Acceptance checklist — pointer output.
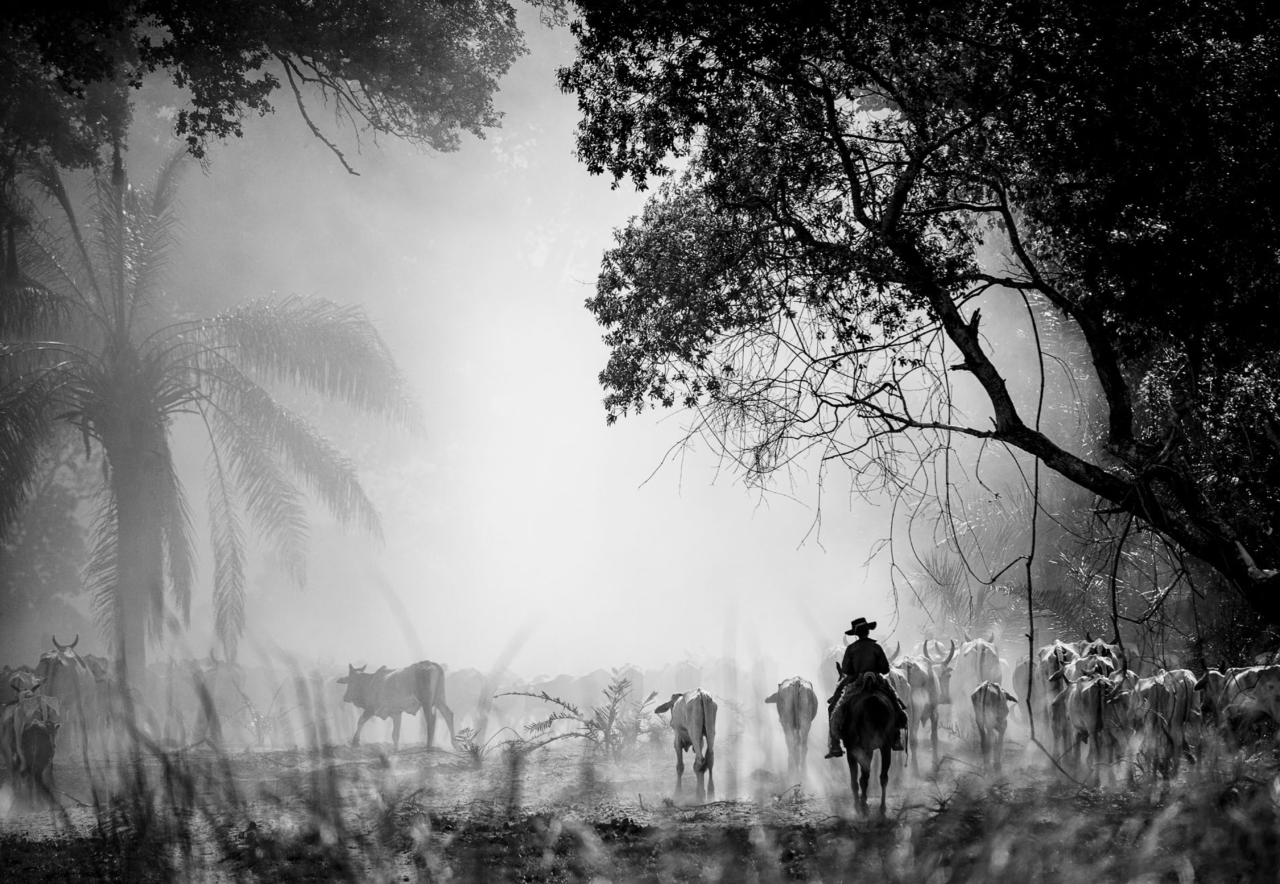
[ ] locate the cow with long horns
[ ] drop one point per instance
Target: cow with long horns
(67, 678)
(929, 680)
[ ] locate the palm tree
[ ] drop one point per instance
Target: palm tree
(89, 341)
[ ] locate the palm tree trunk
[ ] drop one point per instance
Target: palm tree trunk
(136, 474)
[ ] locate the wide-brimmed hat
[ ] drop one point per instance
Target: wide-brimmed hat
(860, 623)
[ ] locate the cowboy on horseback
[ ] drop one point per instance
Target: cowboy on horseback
(863, 655)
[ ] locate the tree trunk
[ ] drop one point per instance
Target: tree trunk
(137, 474)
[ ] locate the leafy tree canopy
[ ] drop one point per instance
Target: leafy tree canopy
(419, 71)
(847, 186)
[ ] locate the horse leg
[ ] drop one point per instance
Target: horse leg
(864, 765)
(886, 759)
(853, 779)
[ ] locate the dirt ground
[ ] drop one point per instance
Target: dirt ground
(557, 814)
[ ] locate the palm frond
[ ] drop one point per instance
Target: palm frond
(271, 500)
(28, 308)
(25, 428)
(328, 475)
(48, 177)
(151, 232)
(177, 536)
(228, 557)
(320, 346)
(102, 570)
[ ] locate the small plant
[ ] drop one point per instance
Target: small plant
(613, 728)
(263, 723)
(473, 750)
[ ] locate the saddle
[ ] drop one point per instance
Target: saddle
(866, 683)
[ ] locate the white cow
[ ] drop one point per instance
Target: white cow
(797, 706)
(693, 720)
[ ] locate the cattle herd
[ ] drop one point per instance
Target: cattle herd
(1081, 697)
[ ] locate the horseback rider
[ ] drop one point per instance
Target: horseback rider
(862, 655)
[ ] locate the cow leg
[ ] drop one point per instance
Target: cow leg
(999, 747)
(708, 763)
(982, 745)
(395, 732)
(679, 765)
(430, 713)
(933, 736)
(365, 715)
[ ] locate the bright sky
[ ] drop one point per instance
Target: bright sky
(520, 508)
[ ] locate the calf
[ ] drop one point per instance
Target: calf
(991, 716)
(693, 720)
(797, 706)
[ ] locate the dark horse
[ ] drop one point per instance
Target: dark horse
(869, 724)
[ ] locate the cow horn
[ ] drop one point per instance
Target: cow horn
(1087, 637)
(925, 648)
(991, 639)
(896, 650)
(62, 647)
(950, 655)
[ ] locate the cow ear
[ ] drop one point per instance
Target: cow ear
(772, 698)
(1010, 697)
(663, 708)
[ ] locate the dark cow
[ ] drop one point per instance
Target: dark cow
(67, 678)
(28, 735)
(868, 725)
(991, 716)
(693, 721)
(388, 693)
(797, 706)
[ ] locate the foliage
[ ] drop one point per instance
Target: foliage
(613, 728)
(859, 184)
(89, 341)
(41, 558)
(418, 71)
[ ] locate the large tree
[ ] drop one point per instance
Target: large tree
(90, 340)
(420, 71)
(857, 184)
